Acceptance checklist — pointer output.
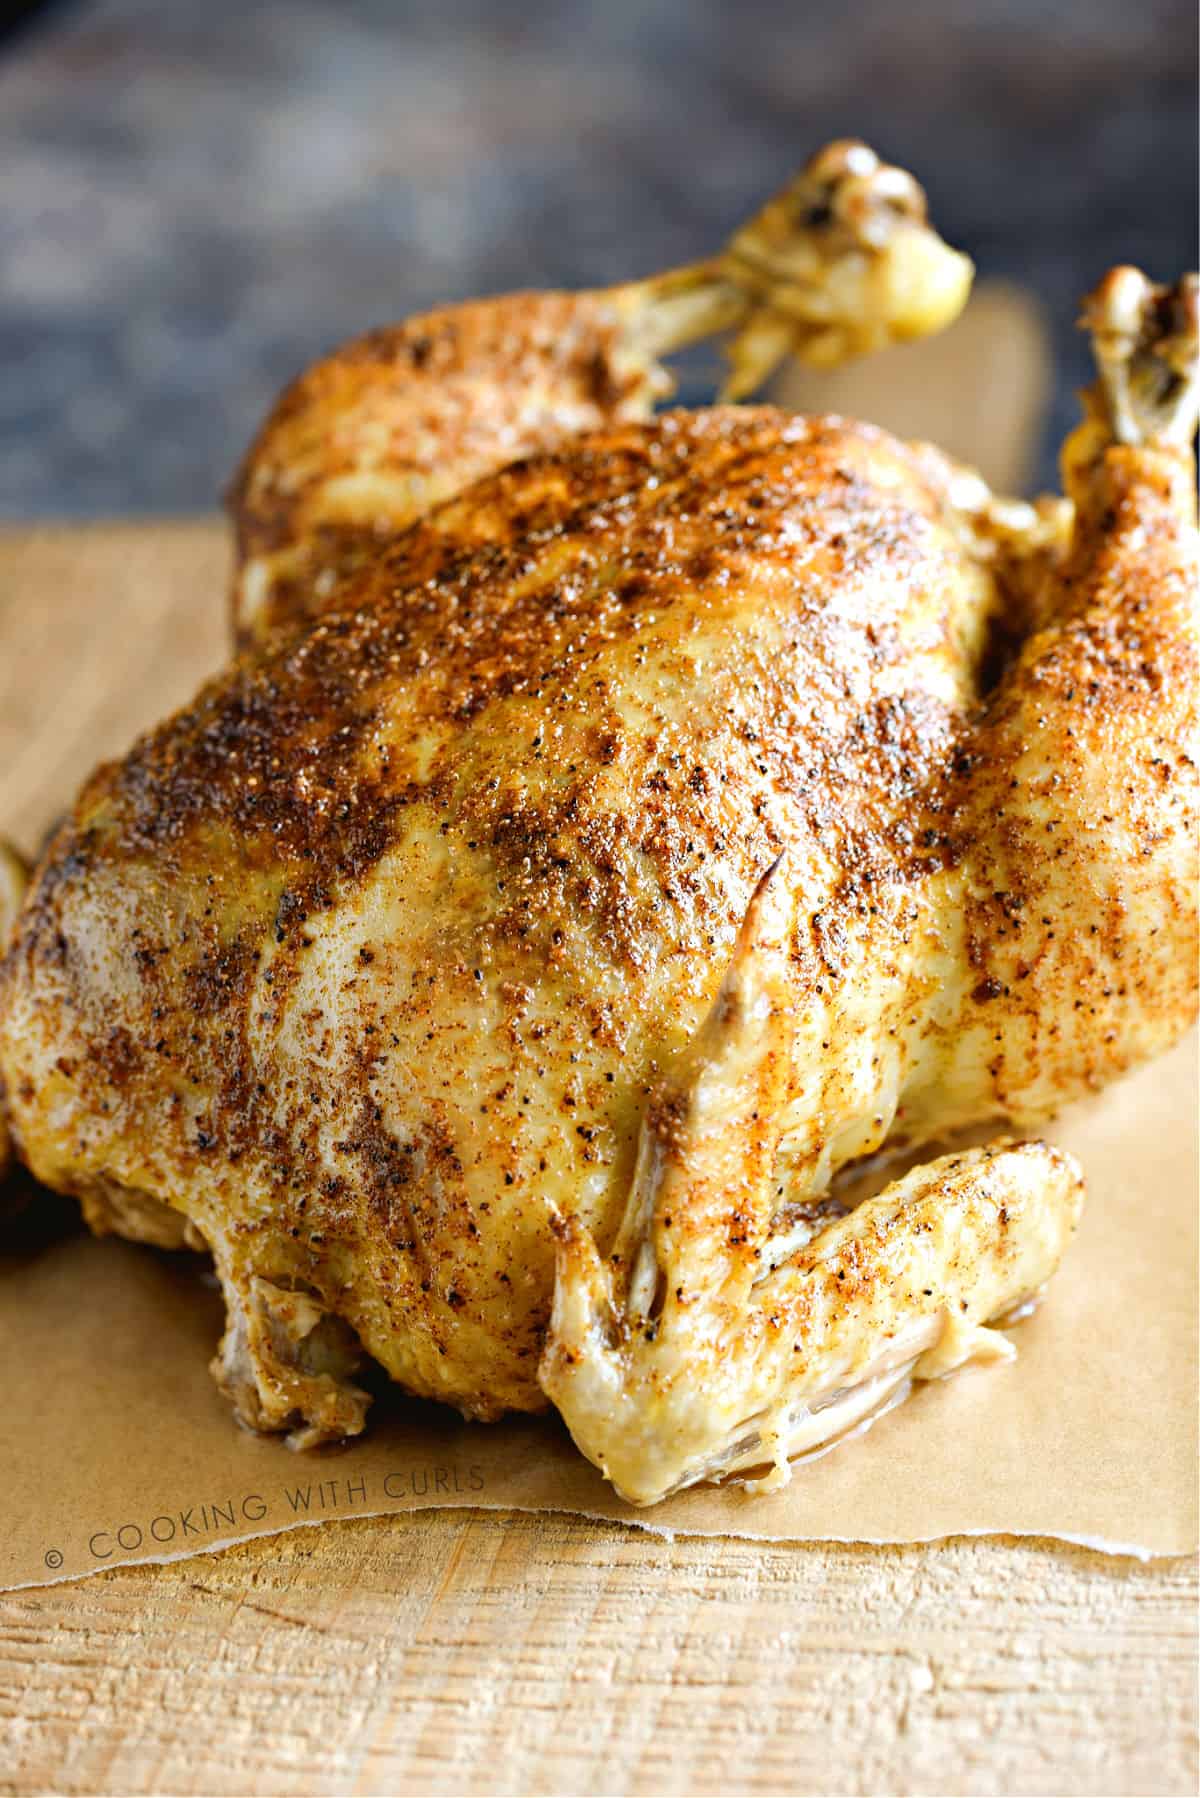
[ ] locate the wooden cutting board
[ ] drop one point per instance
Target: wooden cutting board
(464, 1652)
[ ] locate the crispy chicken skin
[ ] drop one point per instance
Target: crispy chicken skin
(362, 444)
(14, 876)
(496, 964)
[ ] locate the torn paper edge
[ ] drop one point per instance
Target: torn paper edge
(1061, 1538)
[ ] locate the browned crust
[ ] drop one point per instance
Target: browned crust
(605, 687)
(428, 406)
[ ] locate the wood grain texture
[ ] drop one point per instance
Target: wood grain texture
(474, 1653)
(487, 1653)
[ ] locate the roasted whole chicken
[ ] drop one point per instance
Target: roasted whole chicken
(614, 825)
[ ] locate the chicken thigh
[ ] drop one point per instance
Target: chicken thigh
(611, 828)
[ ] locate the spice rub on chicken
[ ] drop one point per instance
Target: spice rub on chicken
(611, 827)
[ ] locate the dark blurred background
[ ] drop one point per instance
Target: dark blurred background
(198, 196)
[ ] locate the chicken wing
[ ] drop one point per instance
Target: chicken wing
(612, 828)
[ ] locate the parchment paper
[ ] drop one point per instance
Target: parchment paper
(114, 1445)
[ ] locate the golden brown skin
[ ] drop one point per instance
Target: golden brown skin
(490, 829)
(369, 440)
(1020, 934)
(14, 876)
(384, 967)
(842, 261)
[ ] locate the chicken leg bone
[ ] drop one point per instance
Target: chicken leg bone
(840, 263)
(1145, 340)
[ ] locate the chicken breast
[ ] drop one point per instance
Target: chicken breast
(496, 964)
